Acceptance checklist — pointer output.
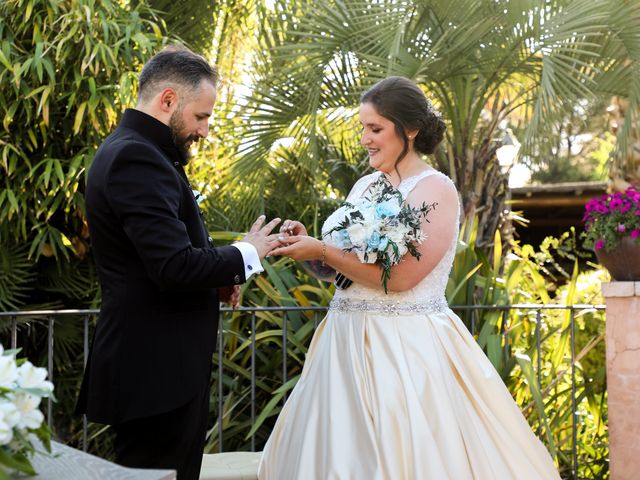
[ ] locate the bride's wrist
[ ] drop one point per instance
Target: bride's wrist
(323, 251)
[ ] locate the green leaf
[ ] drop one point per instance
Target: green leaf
(5, 61)
(46, 176)
(527, 369)
(58, 168)
(12, 200)
(79, 117)
(269, 409)
(16, 462)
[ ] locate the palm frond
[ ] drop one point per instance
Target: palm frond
(17, 274)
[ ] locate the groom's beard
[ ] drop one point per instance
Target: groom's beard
(176, 125)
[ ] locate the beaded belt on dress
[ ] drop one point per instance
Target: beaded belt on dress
(435, 305)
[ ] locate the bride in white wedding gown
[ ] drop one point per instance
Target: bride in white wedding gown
(394, 386)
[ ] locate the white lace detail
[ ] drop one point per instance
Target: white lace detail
(429, 291)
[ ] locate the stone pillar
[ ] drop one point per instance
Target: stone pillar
(623, 377)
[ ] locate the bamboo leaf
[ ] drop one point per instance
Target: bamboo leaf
(5, 61)
(525, 365)
(79, 117)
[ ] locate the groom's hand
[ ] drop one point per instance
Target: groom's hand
(230, 294)
(259, 236)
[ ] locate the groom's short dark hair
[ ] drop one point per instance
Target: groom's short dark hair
(174, 66)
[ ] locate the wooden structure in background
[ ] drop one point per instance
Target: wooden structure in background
(552, 208)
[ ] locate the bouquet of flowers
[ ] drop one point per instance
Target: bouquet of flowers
(22, 386)
(381, 227)
(609, 218)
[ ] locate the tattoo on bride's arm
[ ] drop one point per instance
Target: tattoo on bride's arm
(319, 271)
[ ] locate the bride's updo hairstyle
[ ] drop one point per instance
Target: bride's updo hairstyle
(401, 101)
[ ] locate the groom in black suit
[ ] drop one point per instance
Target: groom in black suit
(149, 368)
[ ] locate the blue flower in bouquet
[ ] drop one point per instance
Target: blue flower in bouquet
(374, 241)
(389, 208)
(341, 237)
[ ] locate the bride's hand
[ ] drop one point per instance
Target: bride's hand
(293, 227)
(299, 247)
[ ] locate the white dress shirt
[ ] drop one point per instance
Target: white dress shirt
(250, 258)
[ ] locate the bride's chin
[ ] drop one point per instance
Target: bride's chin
(374, 163)
(379, 165)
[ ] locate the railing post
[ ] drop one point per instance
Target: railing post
(50, 368)
(574, 406)
(253, 379)
(85, 360)
(14, 332)
(505, 326)
(220, 373)
(284, 354)
(538, 361)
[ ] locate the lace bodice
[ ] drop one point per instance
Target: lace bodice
(428, 292)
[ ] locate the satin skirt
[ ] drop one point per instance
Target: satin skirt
(401, 397)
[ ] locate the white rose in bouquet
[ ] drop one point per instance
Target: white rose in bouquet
(357, 234)
(398, 234)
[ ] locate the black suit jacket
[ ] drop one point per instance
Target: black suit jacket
(157, 329)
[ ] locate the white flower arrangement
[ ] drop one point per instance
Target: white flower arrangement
(22, 387)
(381, 227)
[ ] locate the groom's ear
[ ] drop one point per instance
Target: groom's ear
(168, 100)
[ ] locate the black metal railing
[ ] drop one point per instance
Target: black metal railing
(23, 321)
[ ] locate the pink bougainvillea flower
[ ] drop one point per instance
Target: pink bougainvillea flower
(635, 233)
(621, 227)
(599, 244)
